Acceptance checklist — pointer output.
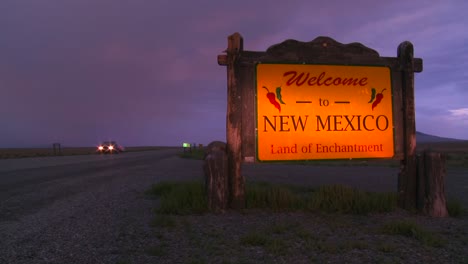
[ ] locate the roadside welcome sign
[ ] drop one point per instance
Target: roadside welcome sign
(321, 99)
(312, 111)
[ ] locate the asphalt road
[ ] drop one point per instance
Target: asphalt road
(91, 209)
(27, 185)
(77, 211)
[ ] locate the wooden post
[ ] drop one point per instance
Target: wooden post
(234, 122)
(407, 178)
(431, 184)
(216, 177)
(57, 149)
(421, 181)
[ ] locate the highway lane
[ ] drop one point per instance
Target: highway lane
(14, 172)
(48, 183)
(39, 162)
(80, 212)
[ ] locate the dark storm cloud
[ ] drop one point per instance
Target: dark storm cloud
(145, 72)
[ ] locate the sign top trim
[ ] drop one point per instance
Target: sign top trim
(321, 50)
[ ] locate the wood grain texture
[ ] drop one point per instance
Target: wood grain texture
(320, 47)
(215, 167)
(431, 198)
(407, 179)
(398, 115)
(247, 82)
(234, 123)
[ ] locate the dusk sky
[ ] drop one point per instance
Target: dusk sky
(145, 72)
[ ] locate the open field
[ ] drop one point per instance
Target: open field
(13, 153)
(456, 154)
(100, 212)
(452, 146)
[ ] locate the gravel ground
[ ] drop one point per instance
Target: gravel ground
(99, 224)
(110, 223)
(262, 237)
(298, 237)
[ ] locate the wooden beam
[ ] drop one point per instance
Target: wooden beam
(407, 178)
(222, 60)
(417, 65)
(234, 123)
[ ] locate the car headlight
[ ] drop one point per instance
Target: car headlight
(100, 148)
(111, 147)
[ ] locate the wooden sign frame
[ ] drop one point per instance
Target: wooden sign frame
(322, 50)
(241, 124)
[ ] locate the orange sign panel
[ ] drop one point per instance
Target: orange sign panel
(309, 112)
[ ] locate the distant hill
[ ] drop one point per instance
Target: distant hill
(426, 138)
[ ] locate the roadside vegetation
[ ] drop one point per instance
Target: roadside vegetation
(455, 207)
(289, 223)
(410, 229)
(190, 198)
(299, 224)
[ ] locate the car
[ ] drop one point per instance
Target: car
(110, 147)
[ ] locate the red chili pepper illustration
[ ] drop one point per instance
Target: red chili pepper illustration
(378, 98)
(272, 98)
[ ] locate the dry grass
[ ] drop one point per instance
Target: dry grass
(190, 197)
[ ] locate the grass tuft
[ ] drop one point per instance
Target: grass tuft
(410, 229)
(455, 208)
(343, 199)
(334, 198)
(254, 239)
(180, 197)
(269, 196)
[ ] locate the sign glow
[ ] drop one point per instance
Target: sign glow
(306, 112)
